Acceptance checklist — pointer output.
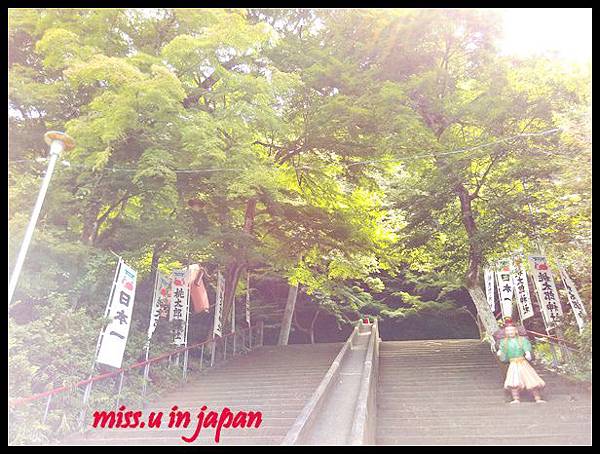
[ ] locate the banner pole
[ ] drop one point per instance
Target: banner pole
(187, 318)
(88, 387)
(248, 297)
(187, 321)
(499, 290)
(146, 370)
(147, 366)
(156, 281)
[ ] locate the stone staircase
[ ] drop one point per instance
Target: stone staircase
(276, 381)
(446, 392)
(435, 392)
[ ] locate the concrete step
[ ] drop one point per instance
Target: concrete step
(224, 394)
(205, 433)
(451, 392)
(250, 403)
(177, 441)
(503, 440)
(244, 393)
(164, 430)
(502, 409)
(392, 422)
(572, 429)
(276, 381)
(276, 408)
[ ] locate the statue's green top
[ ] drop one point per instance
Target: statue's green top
(514, 348)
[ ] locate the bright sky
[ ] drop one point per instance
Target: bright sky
(566, 31)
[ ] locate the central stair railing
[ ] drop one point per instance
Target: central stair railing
(362, 430)
(365, 414)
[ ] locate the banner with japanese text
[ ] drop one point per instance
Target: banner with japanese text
(217, 325)
(546, 290)
(488, 278)
(178, 314)
(114, 337)
(574, 298)
(521, 287)
(160, 302)
(505, 287)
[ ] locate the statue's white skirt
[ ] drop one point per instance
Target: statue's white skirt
(521, 375)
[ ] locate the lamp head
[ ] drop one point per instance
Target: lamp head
(67, 140)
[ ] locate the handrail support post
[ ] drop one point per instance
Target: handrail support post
(121, 377)
(47, 408)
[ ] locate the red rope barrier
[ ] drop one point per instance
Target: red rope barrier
(34, 397)
(570, 344)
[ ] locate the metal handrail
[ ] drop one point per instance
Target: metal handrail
(21, 401)
(305, 420)
(365, 412)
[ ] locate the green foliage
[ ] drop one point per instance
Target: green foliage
(579, 364)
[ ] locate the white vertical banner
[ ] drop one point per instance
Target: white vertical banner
(178, 314)
(159, 301)
(505, 287)
(574, 298)
(546, 290)
(113, 338)
(248, 298)
(217, 325)
(488, 277)
(522, 290)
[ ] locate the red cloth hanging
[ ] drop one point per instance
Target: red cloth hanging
(197, 290)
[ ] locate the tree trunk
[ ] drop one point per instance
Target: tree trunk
(236, 267)
(156, 253)
(480, 328)
(475, 260)
(312, 326)
(483, 309)
(288, 313)
(90, 223)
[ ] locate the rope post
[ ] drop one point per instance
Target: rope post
(214, 351)
(145, 384)
(47, 408)
(554, 357)
(564, 352)
(187, 321)
(262, 333)
(121, 377)
(146, 368)
(86, 396)
(185, 364)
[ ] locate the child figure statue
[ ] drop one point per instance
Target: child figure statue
(520, 375)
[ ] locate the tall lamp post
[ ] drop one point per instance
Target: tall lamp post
(58, 142)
